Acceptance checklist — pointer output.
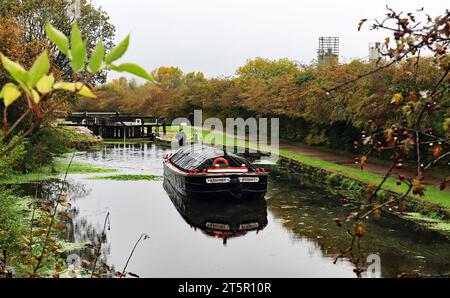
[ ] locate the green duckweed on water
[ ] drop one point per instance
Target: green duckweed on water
(125, 177)
(435, 224)
(71, 246)
(49, 172)
(82, 168)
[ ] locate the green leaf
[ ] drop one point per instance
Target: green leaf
(10, 93)
(79, 57)
(45, 84)
(86, 92)
(58, 38)
(133, 69)
(36, 97)
(96, 62)
(118, 51)
(446, 125)
(75, 87)
(40, 68)
(78, 49)
(65, 86)
(15, 70)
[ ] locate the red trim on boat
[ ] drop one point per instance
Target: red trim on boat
(205, 171)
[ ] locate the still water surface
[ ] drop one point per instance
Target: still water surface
(299, 240)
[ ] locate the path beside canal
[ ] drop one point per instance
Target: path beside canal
(346, 160)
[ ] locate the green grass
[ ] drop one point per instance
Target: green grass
(49, 172)
(27, 178)
(440, 173)
(173, 128)
(127, 177)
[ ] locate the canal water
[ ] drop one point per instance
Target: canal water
(297, 236)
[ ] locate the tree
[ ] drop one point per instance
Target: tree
(260, 68)
(14, 45)
(34, 14)
(36, 86)
(168, 77)
(192, 78)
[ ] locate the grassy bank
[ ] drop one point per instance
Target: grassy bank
(439, 173)
(432, 194)
(36, 158)
(24, 229)
(77, 138)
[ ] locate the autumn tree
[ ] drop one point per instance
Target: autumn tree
(32, 15)
(192, 78)
(168, 77)
(41, 91)
(13, 44)
(260, 68)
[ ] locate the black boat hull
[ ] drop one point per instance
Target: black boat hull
(195, 186)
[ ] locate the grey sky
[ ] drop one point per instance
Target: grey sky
(218, 36)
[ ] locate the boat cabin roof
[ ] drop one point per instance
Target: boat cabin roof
(199, 157)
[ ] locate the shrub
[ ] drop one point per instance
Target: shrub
(317, 138)
(11, 163)
(11, 221)
(333, 180)
(50, 142)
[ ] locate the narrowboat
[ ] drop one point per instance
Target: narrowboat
(220, 218)
(201, 171)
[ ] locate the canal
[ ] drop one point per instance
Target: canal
(297, 236)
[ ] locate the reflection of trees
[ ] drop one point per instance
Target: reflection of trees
(79, 229)
(145, 156)
(307, 214)
(83, 231)
(49, 189)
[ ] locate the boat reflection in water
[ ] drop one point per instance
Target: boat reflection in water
(220, 218)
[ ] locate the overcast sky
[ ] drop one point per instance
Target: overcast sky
(218, 36)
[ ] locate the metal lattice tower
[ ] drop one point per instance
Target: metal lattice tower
(328, 50)
(375, 51)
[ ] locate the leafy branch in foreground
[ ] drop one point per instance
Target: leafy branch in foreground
(410, 36)
(124, 272)
(61, 200)
(97, 250)
(409, 140)
(40, 251)
(37, 86)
